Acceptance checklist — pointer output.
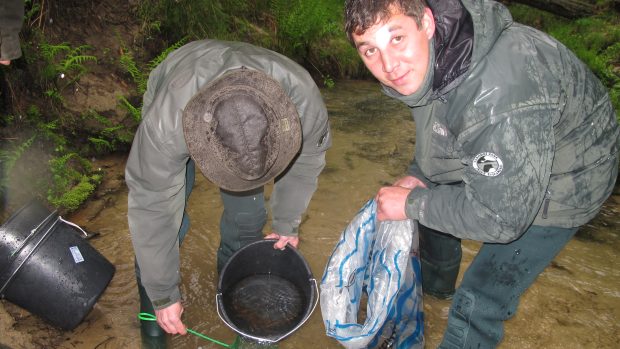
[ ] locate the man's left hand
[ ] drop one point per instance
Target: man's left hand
(391, 203)
(283, 240)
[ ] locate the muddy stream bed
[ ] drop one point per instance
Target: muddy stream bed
(575, 303)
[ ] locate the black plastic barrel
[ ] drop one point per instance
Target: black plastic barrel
(48, 268)
(265, 294)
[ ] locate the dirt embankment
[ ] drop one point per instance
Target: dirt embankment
(106, 27)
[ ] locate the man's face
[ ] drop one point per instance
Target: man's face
(397, 52)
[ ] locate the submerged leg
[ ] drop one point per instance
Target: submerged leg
(242, 222)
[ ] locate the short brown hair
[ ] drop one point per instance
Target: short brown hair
(362, 14)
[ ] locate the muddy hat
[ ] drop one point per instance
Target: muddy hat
(242, 130)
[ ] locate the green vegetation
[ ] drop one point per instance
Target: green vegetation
(140, 76)
(63, 66)
(310, 32)
(70, 185)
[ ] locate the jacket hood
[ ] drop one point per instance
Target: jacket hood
(465, 31)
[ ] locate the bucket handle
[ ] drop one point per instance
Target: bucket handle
(264, 340)
(74, 225)
(36, 229)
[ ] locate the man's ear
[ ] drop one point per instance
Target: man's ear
(428, 23)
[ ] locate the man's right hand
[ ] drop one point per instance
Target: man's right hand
(409, 182)
(169, 319)
(391, 200)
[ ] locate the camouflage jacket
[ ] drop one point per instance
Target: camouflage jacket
(517, 131)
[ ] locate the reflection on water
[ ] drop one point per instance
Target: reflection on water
(264, 305)
(575, 303)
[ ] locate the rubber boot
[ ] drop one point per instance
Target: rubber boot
(439, 281)
(242, 222)
(152, 336)
(441, 260)
(153, 342)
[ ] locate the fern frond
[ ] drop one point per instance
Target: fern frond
(136, 113)
(50, 51)
(76, 62)
(155, 61)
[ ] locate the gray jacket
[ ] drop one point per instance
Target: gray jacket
(155, 172)
(517, 131)
(11, 19)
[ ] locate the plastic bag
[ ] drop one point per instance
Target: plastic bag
(379, 261)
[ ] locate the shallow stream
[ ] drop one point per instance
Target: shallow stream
(575, 303)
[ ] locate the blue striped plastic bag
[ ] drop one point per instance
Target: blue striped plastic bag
(381, 262)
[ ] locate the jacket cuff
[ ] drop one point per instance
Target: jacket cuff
(284, 228)
(415, 207)
(161, 302)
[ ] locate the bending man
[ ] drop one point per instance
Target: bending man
(244, 115)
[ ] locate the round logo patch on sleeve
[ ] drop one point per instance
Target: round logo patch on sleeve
(488, 164)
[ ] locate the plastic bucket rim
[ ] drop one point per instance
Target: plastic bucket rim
(253, 244)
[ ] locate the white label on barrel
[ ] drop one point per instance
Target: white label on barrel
(77, 255)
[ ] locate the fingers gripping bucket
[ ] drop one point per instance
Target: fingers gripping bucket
(48, 268)
(265, 294)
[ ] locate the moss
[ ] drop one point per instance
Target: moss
(74, 197)
(73, 181)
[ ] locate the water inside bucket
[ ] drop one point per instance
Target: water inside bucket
(265, 305)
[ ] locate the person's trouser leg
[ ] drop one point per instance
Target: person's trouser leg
(151, 328)
(493, 284)
(242, 222)
(440, 256)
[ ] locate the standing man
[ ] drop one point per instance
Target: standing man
(11, 20)
(245, 116)
(516, 147)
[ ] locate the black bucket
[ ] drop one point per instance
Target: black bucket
(265, 294)
(48, 268)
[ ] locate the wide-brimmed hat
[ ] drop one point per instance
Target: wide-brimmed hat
(242, 129)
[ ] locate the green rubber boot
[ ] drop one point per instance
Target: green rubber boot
(148, 328)
(439, 281)
(153, 342)
(441, 260)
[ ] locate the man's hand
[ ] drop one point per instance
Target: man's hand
(283, 240)
(409, 182)
(391, 203)
(169, 319)
(5, 62)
